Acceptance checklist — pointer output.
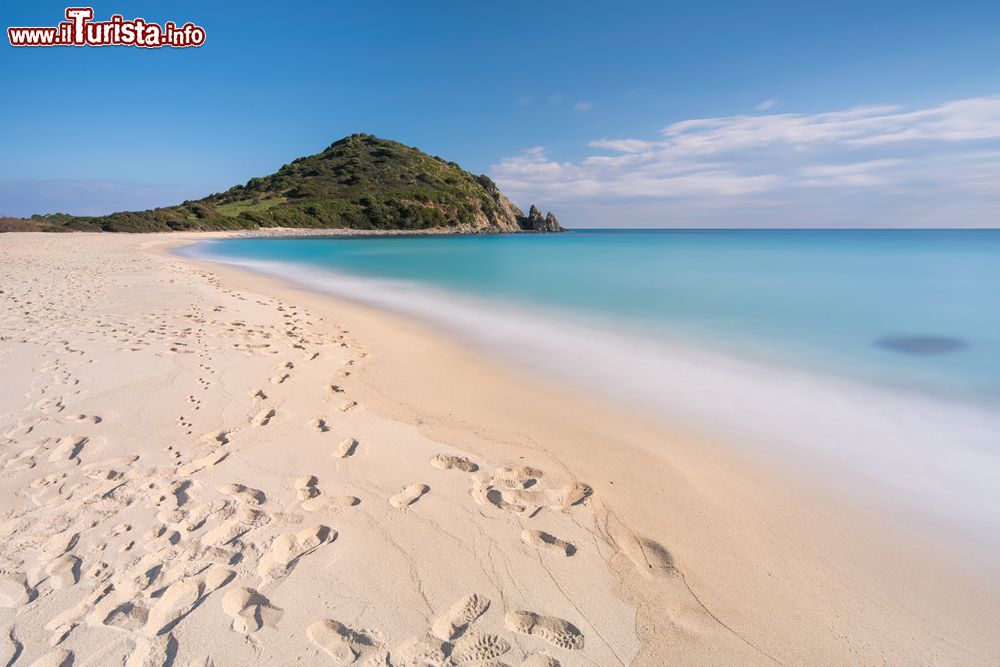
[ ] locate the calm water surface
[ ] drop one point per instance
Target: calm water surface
(869, 358)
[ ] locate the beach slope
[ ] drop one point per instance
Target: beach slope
(202, 466)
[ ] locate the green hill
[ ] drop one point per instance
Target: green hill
(359, 182)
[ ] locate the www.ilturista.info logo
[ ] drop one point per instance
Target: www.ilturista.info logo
(81, 30)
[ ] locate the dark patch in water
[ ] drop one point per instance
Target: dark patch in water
(922, 345)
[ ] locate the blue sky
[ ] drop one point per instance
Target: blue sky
(610, 114)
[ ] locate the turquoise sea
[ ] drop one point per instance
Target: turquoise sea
(870, 357)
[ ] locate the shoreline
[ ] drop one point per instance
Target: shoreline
(720, 558)
(828, 522)
(867, 447)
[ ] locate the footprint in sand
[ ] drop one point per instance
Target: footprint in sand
(341, 643)
(280, 378)
(570, 494)
(241, 522)
(336, 389)
(264, 417)
(63, 571)
(24, 460)
(320, 425)
(346, 448)
(220, 437)
(91, 419)
(421, 650)
(160, 538)
(649, 557)
(68, 448)
(287, 549)
(203, 462)
(249, 610)
(516, 476)
(409, 495)
(349, 405)
(533, 498)
(313, 501)
(447, 462)
(484, 495)
(543, 540)
(99, 571)
(51, 489)
(243, 493)
(50, 405)
(479, 649)
(320, 503)
(14, 590)
(456, 620)
(120, 529)
(259, 395)
(305, 487)
(182, 596)
(555, 631)
(199, 514)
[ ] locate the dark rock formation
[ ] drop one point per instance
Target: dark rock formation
(534, 222)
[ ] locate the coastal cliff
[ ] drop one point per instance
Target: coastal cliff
(359, 182)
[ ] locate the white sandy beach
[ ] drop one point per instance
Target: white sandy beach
(202, 466)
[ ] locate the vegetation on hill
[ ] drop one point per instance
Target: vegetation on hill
(359, 182)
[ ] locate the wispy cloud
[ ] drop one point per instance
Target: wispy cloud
(766, 104)
(583, 106)
(944, 151)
